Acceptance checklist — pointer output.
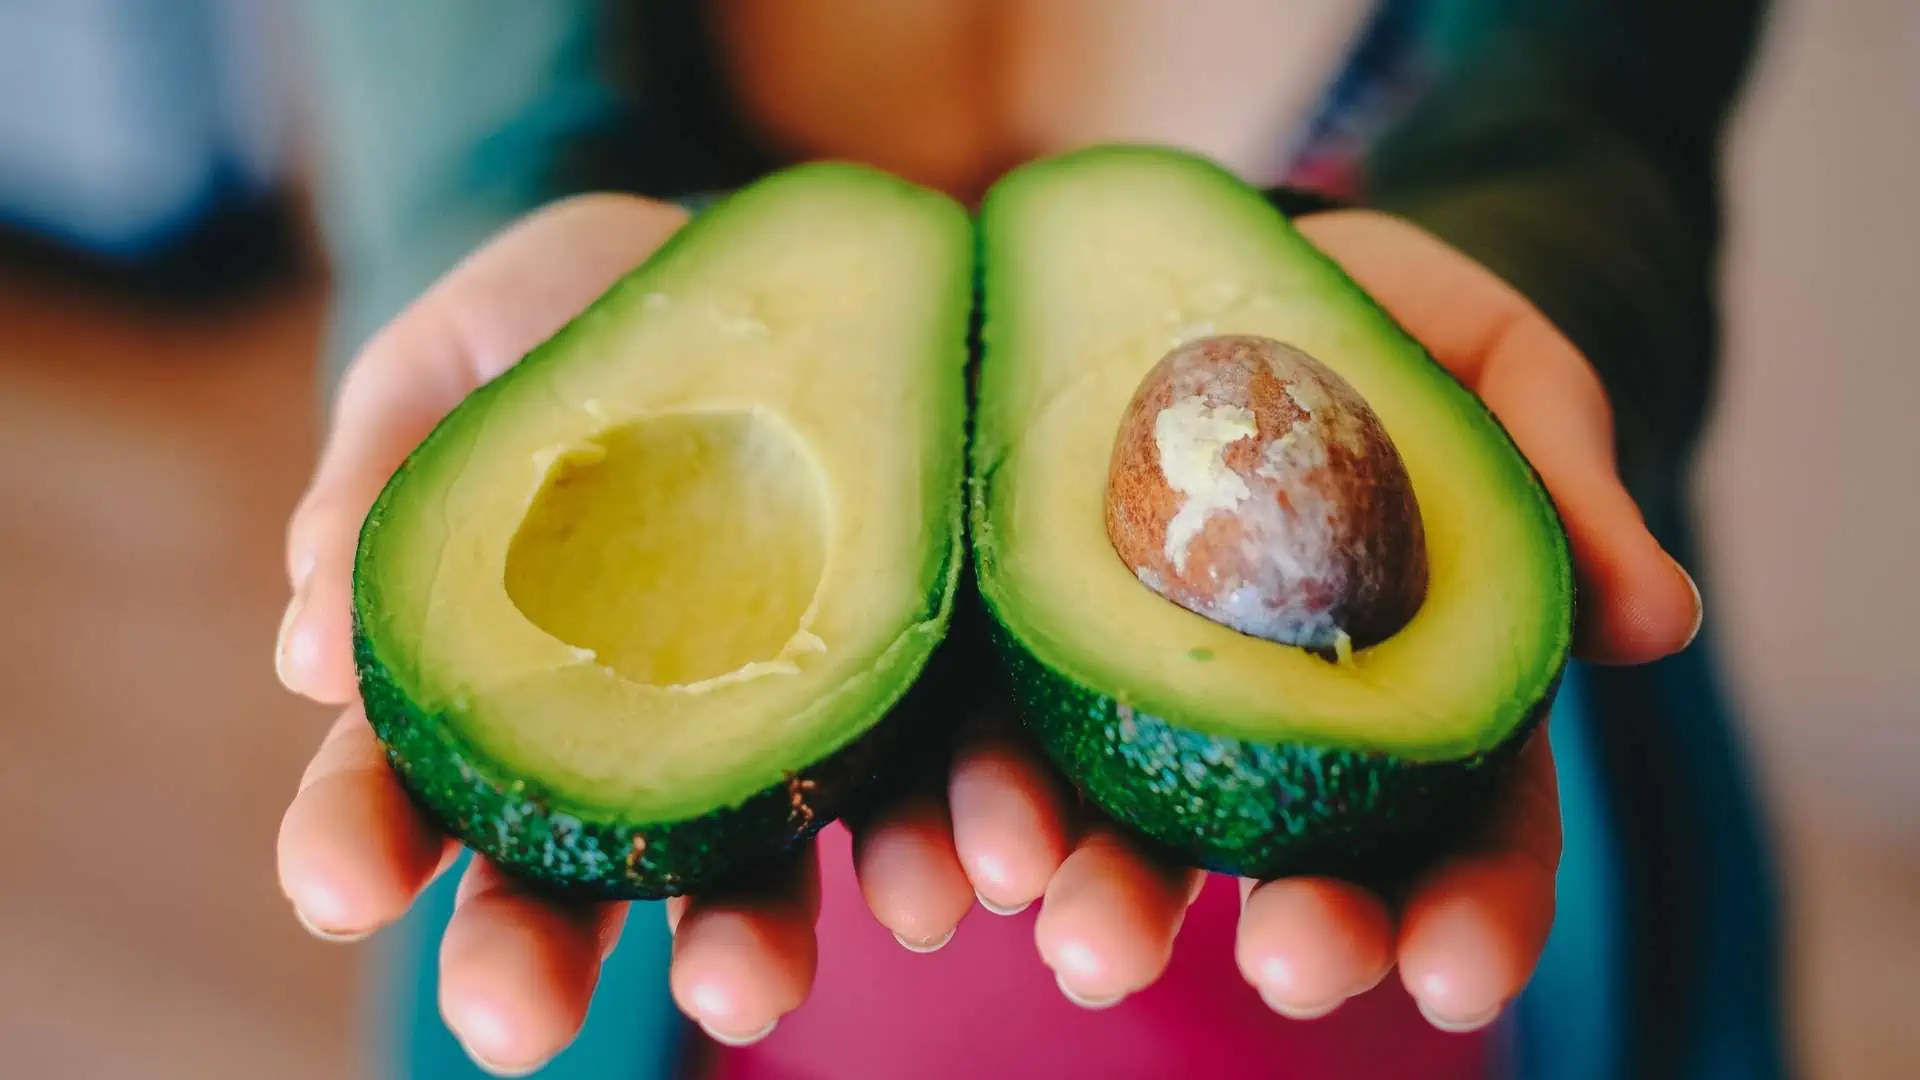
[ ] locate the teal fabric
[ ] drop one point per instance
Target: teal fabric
(1737, 1033)
(1739, 1012)
(440, 122)
(1568, 1022)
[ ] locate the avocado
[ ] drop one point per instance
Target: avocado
(633, 620)
(1305, 750)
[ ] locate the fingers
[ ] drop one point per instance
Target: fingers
(1309, 944)
(517, 973)
(1011, 819)
(1110, 915)
(997, 836)
(474, 323)
(910, 874)
(741, 963)
(353, 852)
(1636, 603)
(1472, 933)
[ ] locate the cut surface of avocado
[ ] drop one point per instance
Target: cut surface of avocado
(1242, 752)
(630, 616)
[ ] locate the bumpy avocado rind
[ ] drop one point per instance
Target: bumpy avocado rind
(1223, 751)
(532, 749)
(1256, 809)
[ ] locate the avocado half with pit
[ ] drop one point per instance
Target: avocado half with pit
(1231, 750)
(634, 619)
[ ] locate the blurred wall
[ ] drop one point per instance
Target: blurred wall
(1811, 480)
(123, 123)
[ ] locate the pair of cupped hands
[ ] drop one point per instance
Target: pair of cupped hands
(518, 970)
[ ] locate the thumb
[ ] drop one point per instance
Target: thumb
(475, 322)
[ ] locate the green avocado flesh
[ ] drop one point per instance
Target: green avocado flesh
(1239, 754)
(633, 619)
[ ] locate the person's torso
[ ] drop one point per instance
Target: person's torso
(950, 92)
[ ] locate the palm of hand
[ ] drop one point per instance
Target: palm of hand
(517, 972)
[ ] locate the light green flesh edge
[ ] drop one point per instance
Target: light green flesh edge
(1097, 263)
(883, 250)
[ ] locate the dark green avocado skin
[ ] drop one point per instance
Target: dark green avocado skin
(1256, 809)
(580, 856)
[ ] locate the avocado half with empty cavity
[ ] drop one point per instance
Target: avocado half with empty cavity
(633, 620)
(1162, 354)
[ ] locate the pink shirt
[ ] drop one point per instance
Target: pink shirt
(985, 1006)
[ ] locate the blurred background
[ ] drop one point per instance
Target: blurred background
(163, 313)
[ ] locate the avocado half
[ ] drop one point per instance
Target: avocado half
(1231, 752)
(633, 620)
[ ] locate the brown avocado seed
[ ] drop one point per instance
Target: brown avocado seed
(1252, 485)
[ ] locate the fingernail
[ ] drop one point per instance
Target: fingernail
(1293, 1011)
(503, 1070)
(1086, 1002)
(280, 641)
(925, 945)
(1459, 1027)
(739, 1040)
(336, 936)
(1699, 605)
(483, 1024)
(492, 1069)
(997, 909)
(1366, 986)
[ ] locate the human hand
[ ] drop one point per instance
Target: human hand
(354, 853)
(1467, 936)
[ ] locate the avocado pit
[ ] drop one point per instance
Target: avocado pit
(1252, 485)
